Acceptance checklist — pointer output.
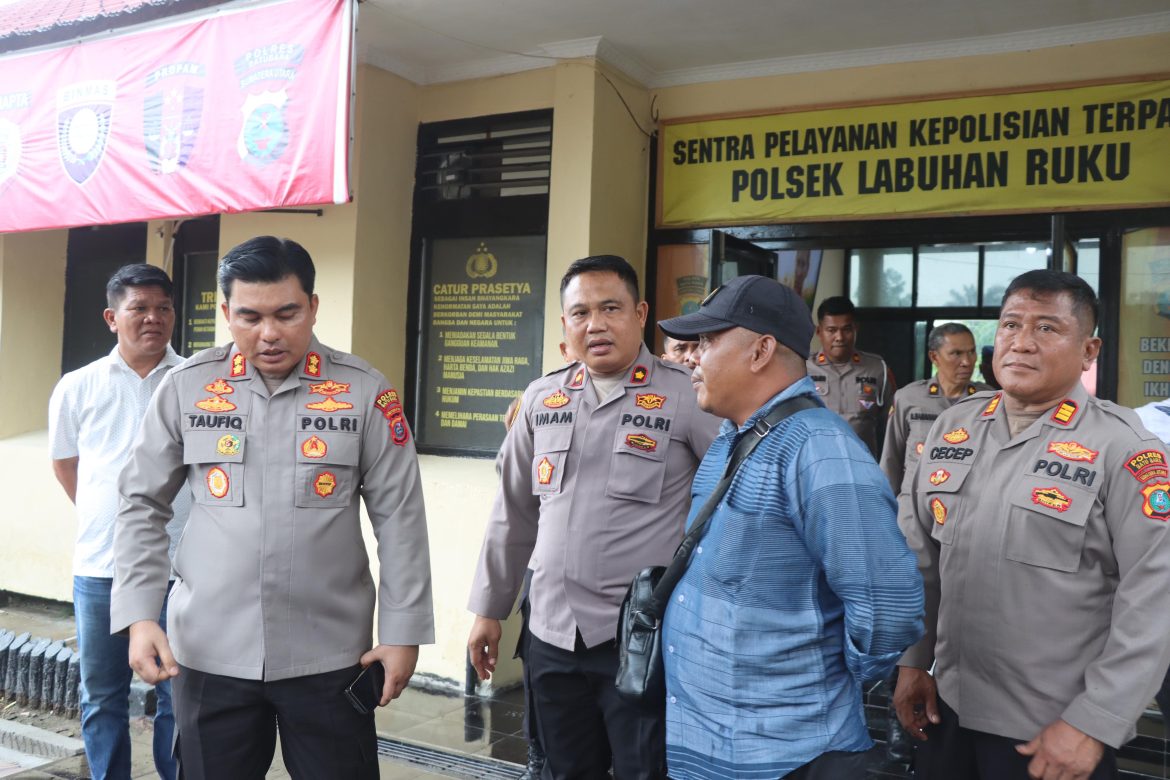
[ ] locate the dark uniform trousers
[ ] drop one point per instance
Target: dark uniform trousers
(530, 732)
(837, 765)
(578, 706)
(227, 727)
(952, 752)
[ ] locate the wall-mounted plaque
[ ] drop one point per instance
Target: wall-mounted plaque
(482, 337)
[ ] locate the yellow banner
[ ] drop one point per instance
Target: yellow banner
(1103, 146)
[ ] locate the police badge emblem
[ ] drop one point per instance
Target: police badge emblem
(217, 482)
(84, 113)
(171, 115)
(11, 150)
(264, 132)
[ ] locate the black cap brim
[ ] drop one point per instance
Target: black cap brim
(689, 327)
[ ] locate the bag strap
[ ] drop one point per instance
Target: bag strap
(743, 448)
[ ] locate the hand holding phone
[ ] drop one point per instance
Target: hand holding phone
(365, 692)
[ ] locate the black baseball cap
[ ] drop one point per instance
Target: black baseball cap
(760, 304)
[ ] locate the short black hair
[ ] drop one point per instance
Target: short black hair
(266, 259)
(136, 275)
(1045, 282)
(835, 307)
(603, 264)
(934, 341)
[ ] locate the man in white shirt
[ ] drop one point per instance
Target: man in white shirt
(94, 416)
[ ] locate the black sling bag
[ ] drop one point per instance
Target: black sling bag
(640, 675)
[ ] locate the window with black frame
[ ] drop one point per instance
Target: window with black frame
(478, 269)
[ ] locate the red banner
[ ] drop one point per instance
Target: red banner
(240, 110)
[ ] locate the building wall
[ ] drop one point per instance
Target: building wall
(983, 74)
(598, 201)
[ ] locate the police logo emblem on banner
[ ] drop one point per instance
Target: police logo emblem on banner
(264, 134)
(265, 73)
(84, 113)
(171, 114)
(10, 150)
(11, 141)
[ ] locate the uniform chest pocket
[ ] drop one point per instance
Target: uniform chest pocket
(1046, 524)
(550, 449)
(215, 461)
(941, 484)
(638, 465)
(326, 469)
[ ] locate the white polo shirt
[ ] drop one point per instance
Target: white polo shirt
(94, 416)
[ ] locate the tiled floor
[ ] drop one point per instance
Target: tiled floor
(473, 726)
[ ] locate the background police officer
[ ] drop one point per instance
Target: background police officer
(1039, 515)
(951, 349)
(273, 605)
(595, 485)
(856, 385)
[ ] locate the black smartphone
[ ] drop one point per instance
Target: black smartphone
(365, 691)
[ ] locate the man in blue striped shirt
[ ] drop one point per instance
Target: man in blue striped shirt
(802, 587)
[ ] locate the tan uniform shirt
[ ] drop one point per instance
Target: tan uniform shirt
(860, 391)
(916, 406)
(1046, 563)
(272, 577)
(593, 492)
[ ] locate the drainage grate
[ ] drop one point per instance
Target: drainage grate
(23, 747)
(450, 763)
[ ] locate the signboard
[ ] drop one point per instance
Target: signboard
(1083, 147)
(200, 307)
(482, 336)
(1144, 338)
(245, 109)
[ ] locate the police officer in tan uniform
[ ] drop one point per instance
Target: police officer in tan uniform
(856, 385)
(1039, 515)
(272, 608)
(951, 348)
(595, 485)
